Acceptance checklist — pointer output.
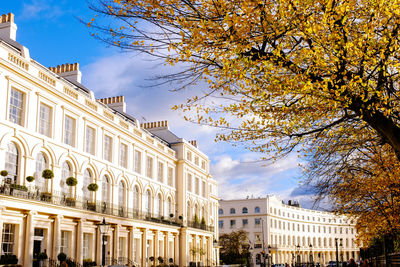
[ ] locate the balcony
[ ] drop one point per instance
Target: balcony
(64, 200)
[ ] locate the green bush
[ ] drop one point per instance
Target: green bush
(30, 179)
(61, 256)
(93, 187)
(47, 174)
(19, 187)
(4, 173)
(71, 181)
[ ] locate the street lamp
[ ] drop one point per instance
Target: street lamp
(268, 255)
(103, 227)
(337, 251)
(311, 256)
(298, 255)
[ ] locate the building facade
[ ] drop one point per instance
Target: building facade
(287, 233)
(154, 189)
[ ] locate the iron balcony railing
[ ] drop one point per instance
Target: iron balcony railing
(64, 199)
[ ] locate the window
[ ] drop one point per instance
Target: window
(136, 196)
(221, 224)
(138, 161)
(160, 172)
(12, 160)
(87, 179)
(233, 223)
(105, 189)
(64, 245)
(203, 188)
(45, 120)
(121, 246)
(108, 143)
(257, 209)
(244, 210)
(69, 131)
(41, 164)
(232, 211)
(189, 182)
(123, 155)
(196, 160)
(16, 107)
(8, 237)
(220, 211)
(66, 172)
(149, 167)
(203, 164)
(87, 238)
(158, 206)
(197, 181)
(189, 156)
(170, 207)
(170, 176)
(147, 203)
(245, 222)
(90, 139)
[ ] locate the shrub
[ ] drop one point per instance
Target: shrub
(42, 256)
(203, 221)
(4, 173)
(71, 181)
(61, 256)
(19, 187)
(93, 187)
(171, 215)
(47, 174)
(30, 179)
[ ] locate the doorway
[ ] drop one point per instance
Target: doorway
(37, 246)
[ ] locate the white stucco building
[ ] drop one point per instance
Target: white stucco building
(151, 182)
(290, 233)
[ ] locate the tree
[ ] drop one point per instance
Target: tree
(315, 77)
(234, 247)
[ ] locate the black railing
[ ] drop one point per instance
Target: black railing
(65, 200)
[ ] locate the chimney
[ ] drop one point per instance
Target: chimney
(69, 72)
(115, 102)
(153, 125)
(193, 143)
(8, 29)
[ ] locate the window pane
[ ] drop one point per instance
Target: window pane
(123, 156)
(90, 140)
(7, 244)
(11, 164)
(45, 120)
(41, 164)
(69, 131)
(160, 172)
(170, 176)
(138, 162)
(16, 106)
(149, 167)
(107, 148)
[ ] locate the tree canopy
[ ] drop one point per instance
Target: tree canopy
(319, 77)
(234, 247)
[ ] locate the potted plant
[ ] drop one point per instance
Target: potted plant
(151, 258)
(8, 259)
(203, 223)
(93, 187)
(30, 179)
(160, 259)
(4, 173)
(47, 174)
(196, 219)
(61, 257)
(71, 181)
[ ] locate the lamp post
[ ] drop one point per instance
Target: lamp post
(298, 254)
(337, 251)
(268, 255)
(311, 256)
(103, 227)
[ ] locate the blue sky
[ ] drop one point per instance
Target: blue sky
(52, 32)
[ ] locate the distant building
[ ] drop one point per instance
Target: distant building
(151, 183)
(290, 233)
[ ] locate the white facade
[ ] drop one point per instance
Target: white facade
(293, 234)
(51, 121)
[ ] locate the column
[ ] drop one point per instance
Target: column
(183, 250)
(144, 247)
(79, 240)
(156, 248)
(98, 246)
(166, 246)
(56, 236)
(29, 233)
(131, 244)
(1, 224)
(176, 248)
(116, 243)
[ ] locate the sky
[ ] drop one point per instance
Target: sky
(54, 35)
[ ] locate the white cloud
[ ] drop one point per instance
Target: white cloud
(40, 9)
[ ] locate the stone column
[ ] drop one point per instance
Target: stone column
(144, 247)
(116, 242)
(98, 246)
(131, 243)
(79, 240)
(29, 233)
(155, 248)
(166, 246)
(176, 248)
(56, 236)
(183, 246)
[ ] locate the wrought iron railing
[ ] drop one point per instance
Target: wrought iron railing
(64, 199)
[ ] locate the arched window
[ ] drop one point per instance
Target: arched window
(189, 211)
(158, 206)
(121, 197)
(147, 203)
(11, 164)
(66, 172)
(105, 189)
(220, 211)
(257, 209)
(244, 210)
(233, 211)
(170, 207)
(136, 196)
(87, 179)
(41, 164)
